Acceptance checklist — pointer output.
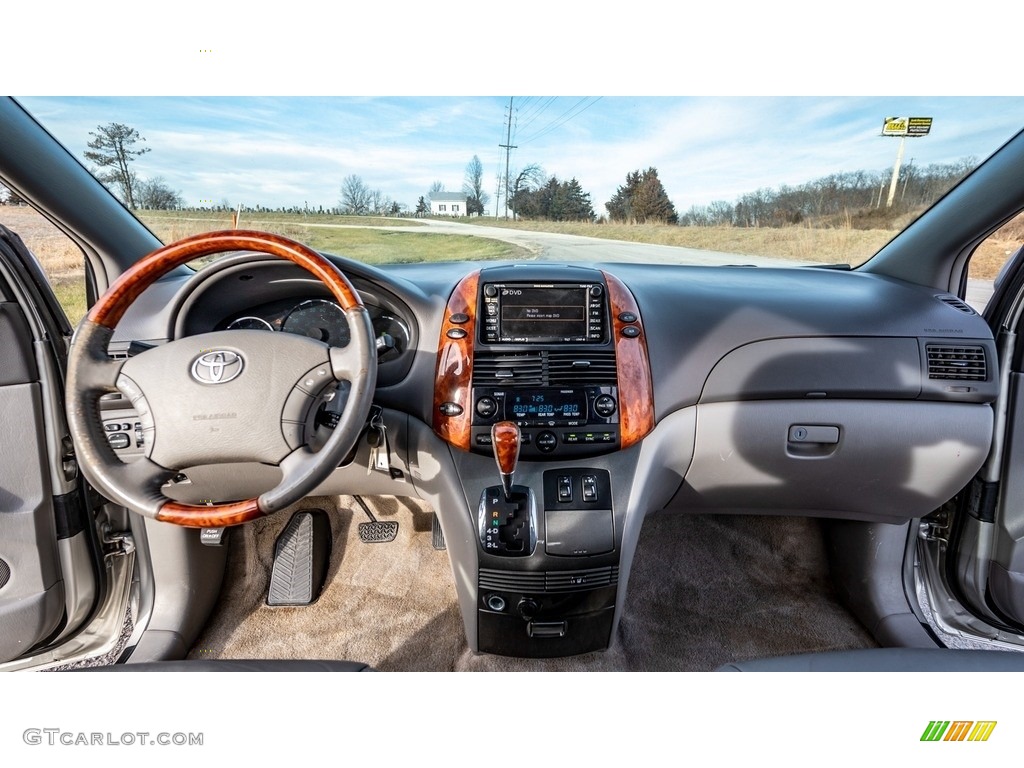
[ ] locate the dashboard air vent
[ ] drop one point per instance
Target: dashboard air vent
(569, 368)
(544, 368)
(527, 369)
(956, 363)
(552, 581)
(955, 303)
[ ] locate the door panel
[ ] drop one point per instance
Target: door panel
(32, 594)
(48, 567)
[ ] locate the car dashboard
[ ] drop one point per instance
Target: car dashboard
(633, 388)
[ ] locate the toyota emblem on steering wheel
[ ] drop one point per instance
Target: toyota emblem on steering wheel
(217, 366)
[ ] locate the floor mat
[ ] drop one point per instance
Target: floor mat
(391, 605)
(704, 591)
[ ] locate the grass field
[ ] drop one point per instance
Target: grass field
(349, 236)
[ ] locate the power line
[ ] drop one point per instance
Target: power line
(574, 111)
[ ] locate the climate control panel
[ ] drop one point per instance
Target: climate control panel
(569, 421)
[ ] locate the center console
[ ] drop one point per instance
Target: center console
(550, 360)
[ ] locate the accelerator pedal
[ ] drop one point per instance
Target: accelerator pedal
(375, 531)
(437, 534)
(301, 556)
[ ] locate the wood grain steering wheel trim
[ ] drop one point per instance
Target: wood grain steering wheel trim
(110, 308)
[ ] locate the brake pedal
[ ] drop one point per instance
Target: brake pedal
(301, 556)
(375, 531)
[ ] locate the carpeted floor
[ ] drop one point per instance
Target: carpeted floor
(704, 591)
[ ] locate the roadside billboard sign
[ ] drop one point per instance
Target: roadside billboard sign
(906, 126)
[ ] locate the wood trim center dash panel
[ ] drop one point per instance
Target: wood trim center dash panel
(453, 378)
(632, 365)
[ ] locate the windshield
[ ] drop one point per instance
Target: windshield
(751, 181)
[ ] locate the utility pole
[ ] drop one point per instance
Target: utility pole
(508, 147)
(896, 173)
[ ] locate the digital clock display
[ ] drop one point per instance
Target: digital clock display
(554, 405)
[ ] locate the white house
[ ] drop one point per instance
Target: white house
(448, 204)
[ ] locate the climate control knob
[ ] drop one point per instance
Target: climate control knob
(604, 406)
(546, 441)
(486, 407)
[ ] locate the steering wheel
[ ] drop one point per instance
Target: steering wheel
(226, 396)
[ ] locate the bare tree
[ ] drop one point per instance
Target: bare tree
(156, 194)
(355, 196)
(528, 179)
(112, 149)
(473, 187)
(435, 188)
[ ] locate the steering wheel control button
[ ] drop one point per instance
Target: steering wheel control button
(546, 441)
(459, 318)
(627, 317)
(630, 331)
(604, 405)
(450, 409)
(119, 441)
(217, 366)
(315, 379)
(456, 333)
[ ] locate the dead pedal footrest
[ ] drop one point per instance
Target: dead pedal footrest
(301, 556)
(436, 534)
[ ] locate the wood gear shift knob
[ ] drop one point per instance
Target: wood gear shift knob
(505, 441)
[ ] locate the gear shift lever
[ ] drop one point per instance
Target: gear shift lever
(507, 516)
(505, 438)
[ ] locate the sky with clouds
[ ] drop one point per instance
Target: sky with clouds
(293, 151)
(694, 92)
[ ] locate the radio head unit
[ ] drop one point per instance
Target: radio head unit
(544, 313)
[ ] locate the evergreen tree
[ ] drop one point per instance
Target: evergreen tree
(642, 199)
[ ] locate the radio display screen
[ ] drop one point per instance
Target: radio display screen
(556, 405)
(548, 313)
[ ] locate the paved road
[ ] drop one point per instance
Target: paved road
(550, 246)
